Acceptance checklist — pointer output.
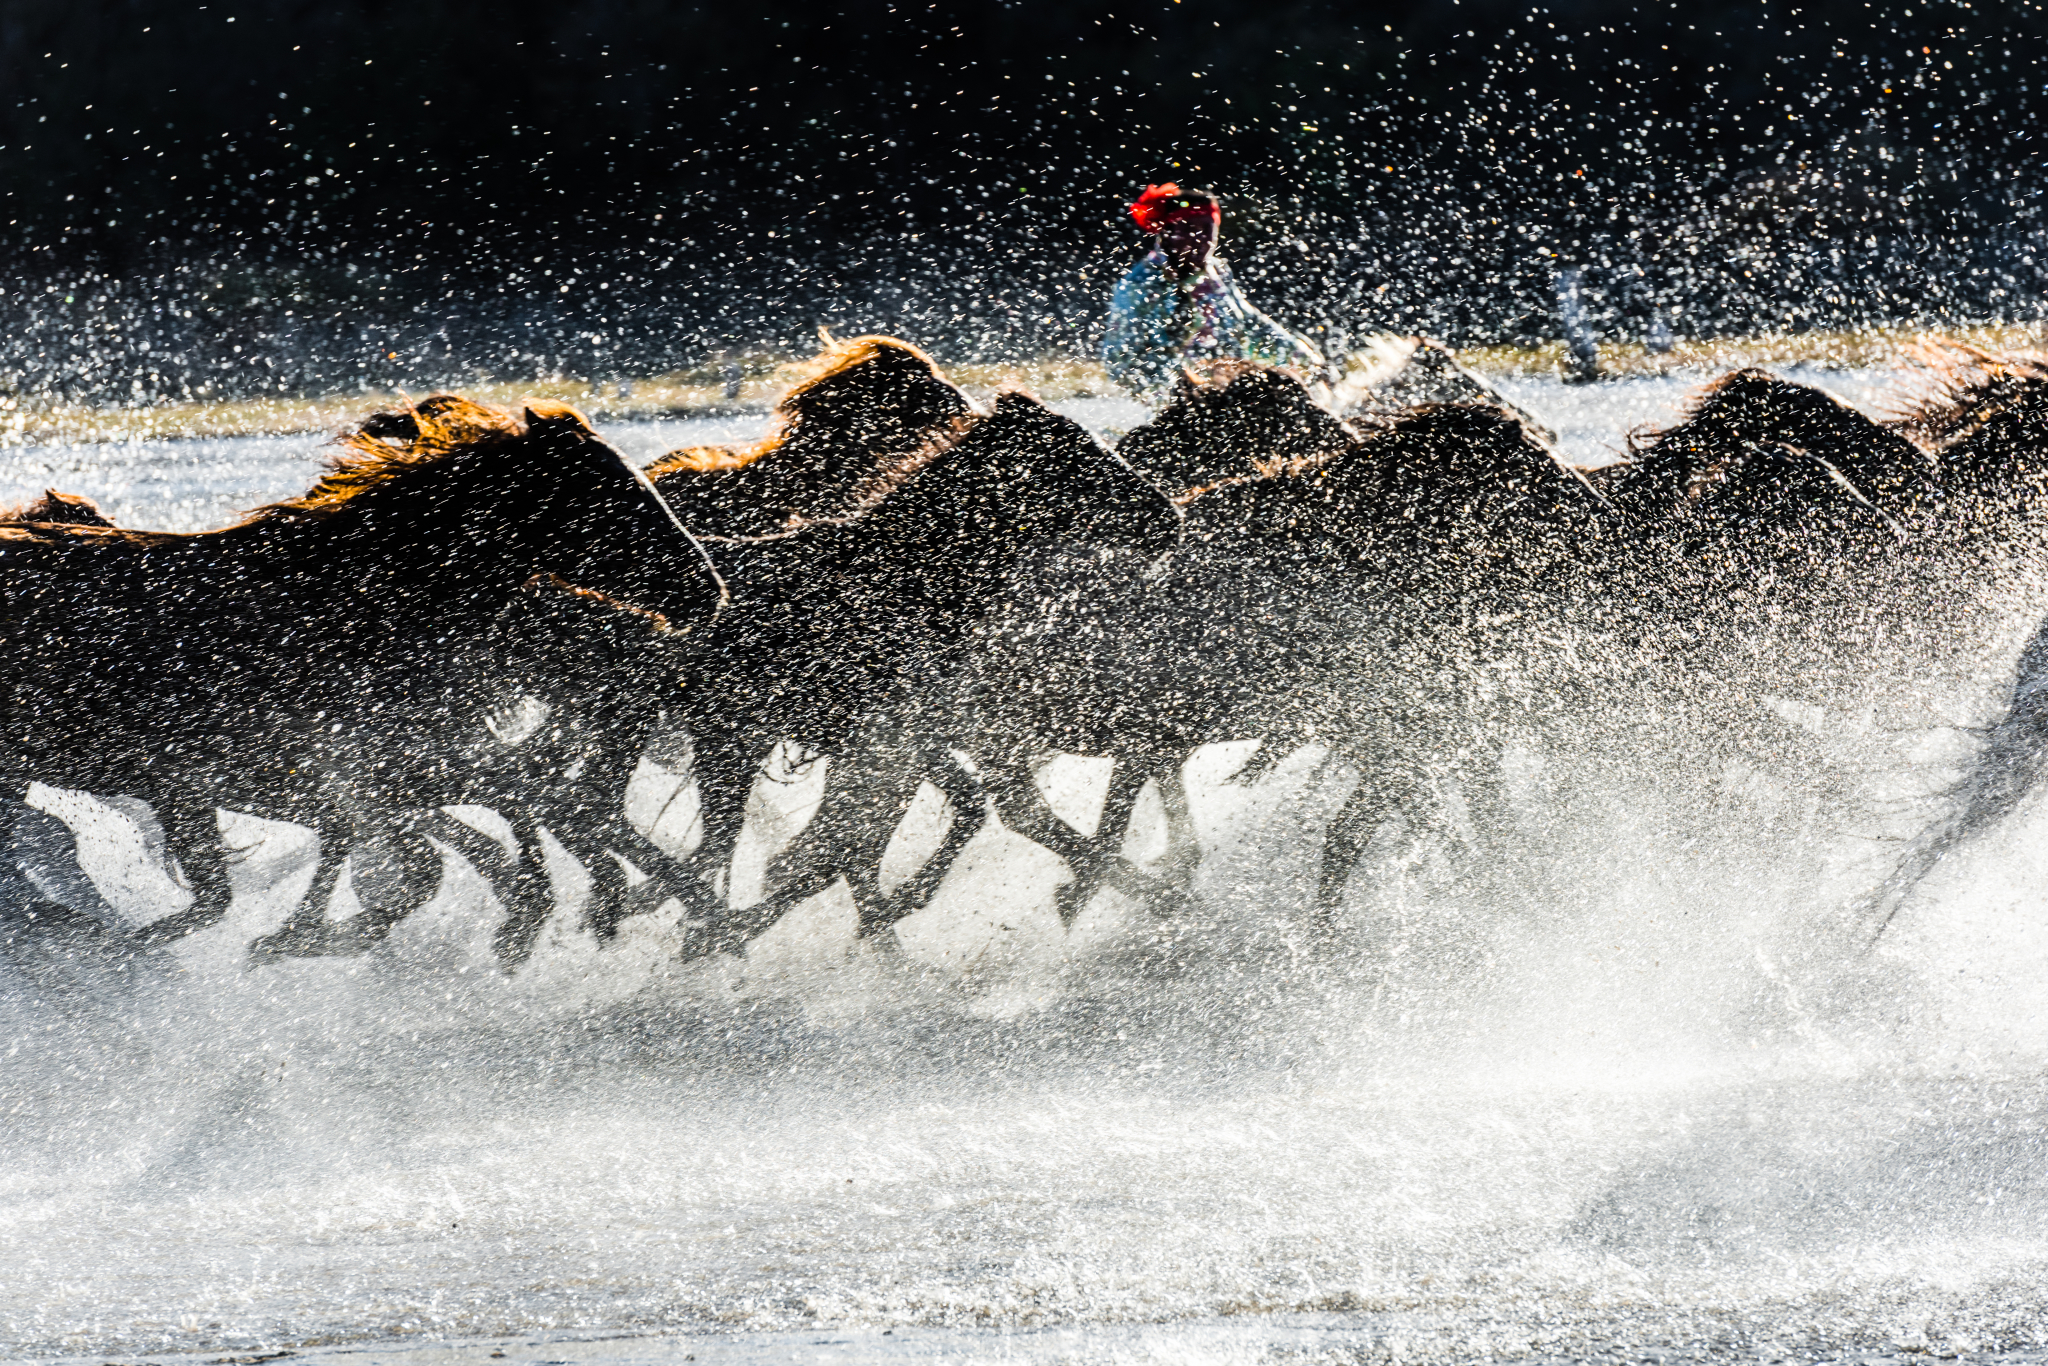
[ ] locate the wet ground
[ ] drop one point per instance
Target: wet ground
(1636, 1104)
(1293, 1340)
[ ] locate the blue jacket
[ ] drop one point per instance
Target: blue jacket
(1158, 325)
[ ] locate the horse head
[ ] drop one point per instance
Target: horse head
(876, 411)
(604, 526)
(878, 395)
(489, 499)
(1984, 423)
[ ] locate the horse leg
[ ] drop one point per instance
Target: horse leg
(192, 834)
(1183, 856)
(723, 769)
(418, 874)
(1024, 809)
(1350, 831)
(1101, 861)
(969, 799)
(613, 896)
(596, 813)
(869, 788)
(44, 852)
(873, 798)
(488, 856)
(54, 925)
(528, 895)
(308, 932)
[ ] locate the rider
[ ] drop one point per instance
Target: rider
(1179, 304)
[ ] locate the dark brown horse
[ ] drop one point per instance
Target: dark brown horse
(876, 410)
(863, 623)
(873, 414)
(1375, 589)
(1983, 424)
(284, 664)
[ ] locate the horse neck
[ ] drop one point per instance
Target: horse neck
(963, 494)
(401, 543)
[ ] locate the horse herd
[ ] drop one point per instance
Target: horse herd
(481, 607)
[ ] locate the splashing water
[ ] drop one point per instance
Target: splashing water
(1633, 1086)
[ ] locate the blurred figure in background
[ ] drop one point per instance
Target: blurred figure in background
(1179, 305)
(1581, 341)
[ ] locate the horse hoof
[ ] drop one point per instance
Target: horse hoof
(157, 933)
(291, 942)
(1072, 899)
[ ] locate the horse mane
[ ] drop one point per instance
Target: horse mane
(72, 509)
(1412, 449)
(1967, 384)
(388, 445)
(1189, 495)
(873, 411)
(704, 460)
(542, 586)
(843, 369)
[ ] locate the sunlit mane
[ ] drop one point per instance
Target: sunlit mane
(72, 509)
(1964, 384)
(811, 393)
(389, 445)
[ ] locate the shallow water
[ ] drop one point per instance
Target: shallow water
(1630, 1095)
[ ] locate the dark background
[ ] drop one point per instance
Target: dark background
(267, 194)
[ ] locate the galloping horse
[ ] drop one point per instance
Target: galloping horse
(841, 628)
(1140, 671)
(1768, 499)
(567, 684)
(873, 413)
(286, 664)
(1337, 544)
(877, 409)
(1264, 599)
(1393, 565)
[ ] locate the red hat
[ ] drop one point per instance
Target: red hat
(1163, 204)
